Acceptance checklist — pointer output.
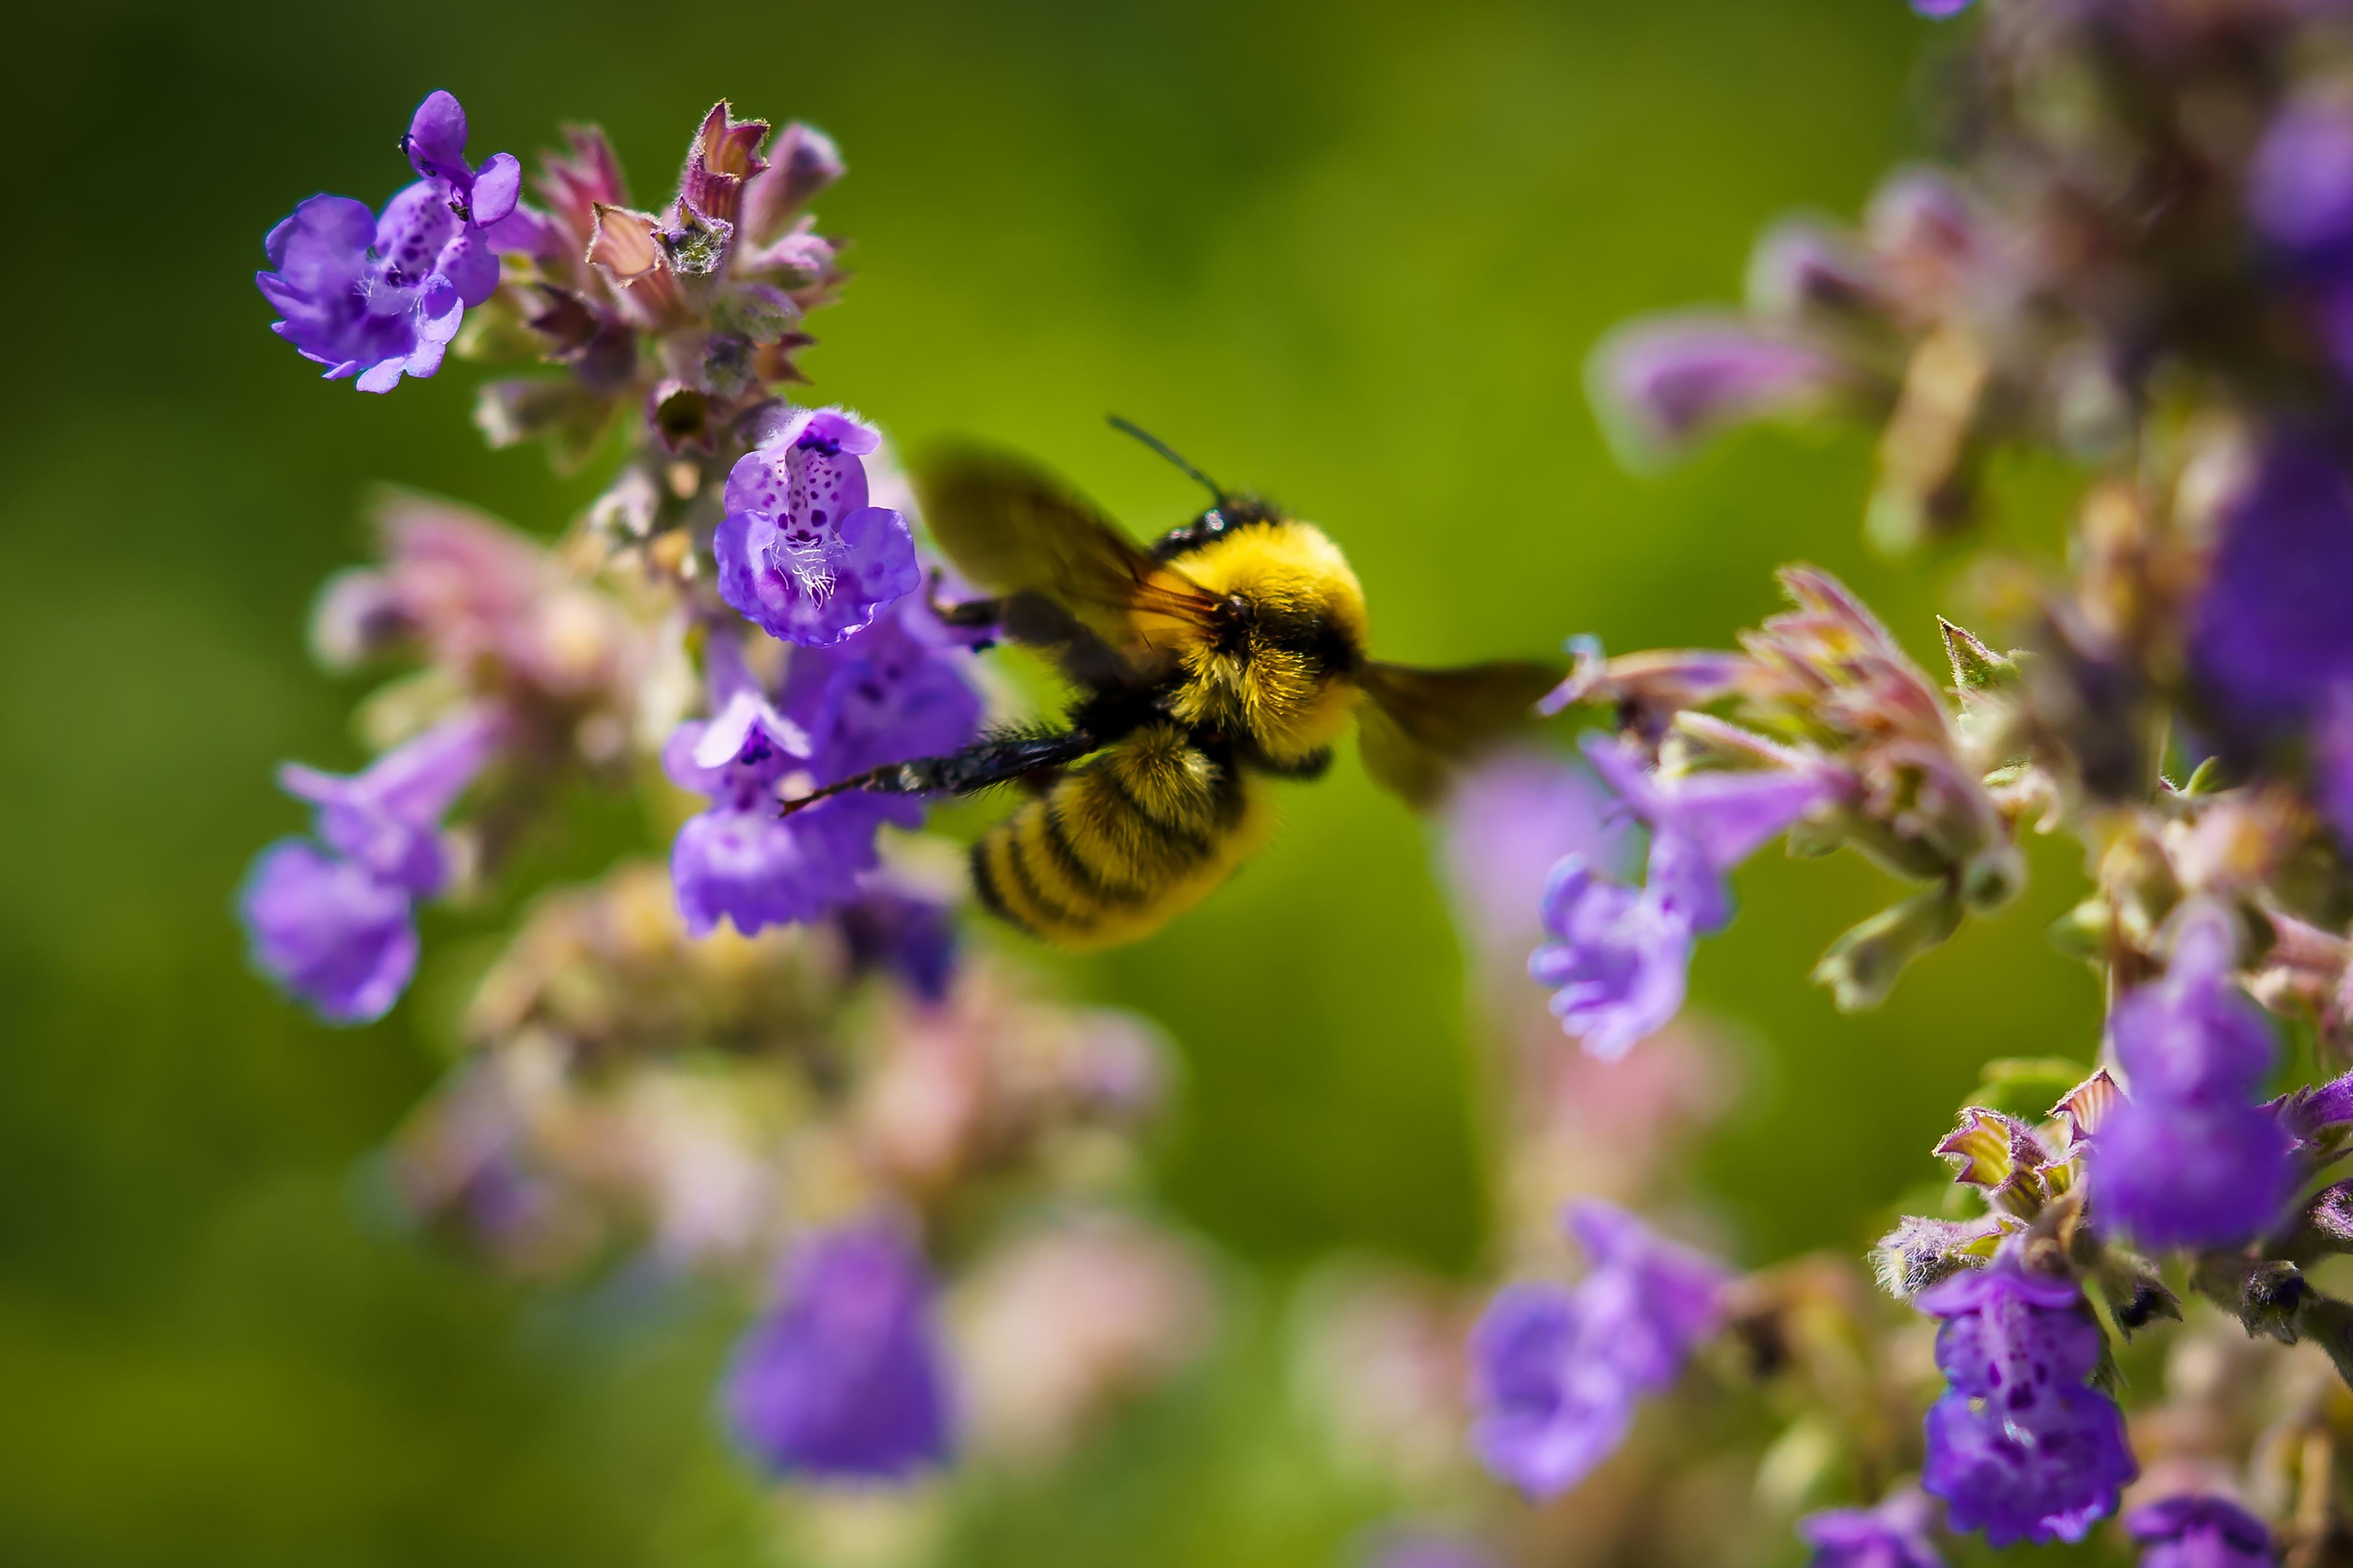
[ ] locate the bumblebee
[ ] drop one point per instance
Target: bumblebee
(1231, 650)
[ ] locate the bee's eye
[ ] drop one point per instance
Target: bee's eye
(1233, 618)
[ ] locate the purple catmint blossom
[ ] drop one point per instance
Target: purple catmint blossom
(886, 694)
(333, 925)
(1557, 1370)
(1618, 956)
(328, 931)
(844, 1377)
(801, 555)
(738, 859)
(2199, 1531)
(2300, 198)
(2188, 1158)
(903, 935)
(377, 297)
(1667, 384)
(2270, 640)
(1895, 1534)
(389, 816)
(2019, 1446)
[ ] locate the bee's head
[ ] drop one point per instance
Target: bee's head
(1277, 655)
(1230, 513)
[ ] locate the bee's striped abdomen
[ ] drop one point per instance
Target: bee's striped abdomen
(1122, 843)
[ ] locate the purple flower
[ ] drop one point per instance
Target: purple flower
(1666, 385)
(1617, 962)
(910, 938)
(1940, 8)
(1893, 1535)
(801, 553)
(2300, 183)
(2188, 1158)
(844, 1377)
(388, 817)
(2176, 1174)
(2270, 639)
(336, 928)
(2019, 1446)
(2199, 1532)
(1620, 955)
(887, 694)
(378, 297)
(328, 931)
(740, 860)
(1557, 1370)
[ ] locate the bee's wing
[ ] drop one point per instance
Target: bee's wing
(1011, 526)
(1416, 726)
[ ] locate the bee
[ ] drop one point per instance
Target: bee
(1231, 650)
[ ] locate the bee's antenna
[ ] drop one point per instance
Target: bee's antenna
(1129, 427)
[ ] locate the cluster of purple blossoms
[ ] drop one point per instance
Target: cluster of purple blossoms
(378, 297)
(640, 1082)
(2188, 1158)
(844, 1376)
(2020, 1446)
(896, 690)
(331, 919)
(1618, 958)
(1558, 1370)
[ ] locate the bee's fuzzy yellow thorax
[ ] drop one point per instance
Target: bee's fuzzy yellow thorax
(1284, 682)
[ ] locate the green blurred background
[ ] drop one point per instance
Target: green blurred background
(1351, 253)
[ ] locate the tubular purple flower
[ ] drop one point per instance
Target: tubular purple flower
(740, 860)
(1702, 825)
(379, 297)
(2199, 1531)
(387, 818)
(329, 931)
(1802, 271)
(903, 934)
(1617, 964)
(2019, 1446)
(2195, 1175)
(886, 694)
(1895, 1534)
(1663, 385)
(2188, 1159)
(2193, 1034)
(1557, 1371)
(801, 555)
(2270, 640)
(2300, 183)
(1620, 955)
(844, 1376)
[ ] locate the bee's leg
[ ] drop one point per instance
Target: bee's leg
(964, 615)
(997, 759)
